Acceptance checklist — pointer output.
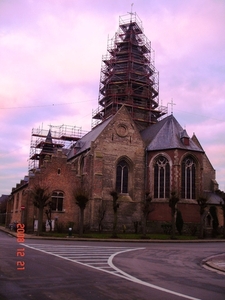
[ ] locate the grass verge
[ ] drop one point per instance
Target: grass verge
(130, 236)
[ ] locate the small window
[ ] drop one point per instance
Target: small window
(17, 201)
(59, 171)
(82, 166)
(57, 201)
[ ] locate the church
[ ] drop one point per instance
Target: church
(134, 148)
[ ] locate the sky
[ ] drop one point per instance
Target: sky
(50, 61)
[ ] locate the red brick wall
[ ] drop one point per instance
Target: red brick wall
(190, 212)
(162, 212)
(65, 181)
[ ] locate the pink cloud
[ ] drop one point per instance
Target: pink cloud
(51, 54)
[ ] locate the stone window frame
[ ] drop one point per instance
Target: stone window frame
(189, 166)
(163, 176)
(121, 186)
(150, 173)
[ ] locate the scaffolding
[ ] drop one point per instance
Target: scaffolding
(47, 141)
(129, 77)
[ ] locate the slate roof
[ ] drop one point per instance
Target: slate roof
(3, 198)
(213, 198)
(84, 143)
(166, 134)
(48, 144)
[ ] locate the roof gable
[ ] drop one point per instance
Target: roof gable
(123, 126)
(84, 143)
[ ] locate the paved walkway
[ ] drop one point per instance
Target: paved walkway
(216, 262)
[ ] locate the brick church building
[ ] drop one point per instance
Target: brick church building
(134, 148)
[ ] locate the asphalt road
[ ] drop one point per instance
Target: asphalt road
(107, 270)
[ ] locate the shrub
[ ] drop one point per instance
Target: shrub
(167, 228)
(179, 222)
(59, 227)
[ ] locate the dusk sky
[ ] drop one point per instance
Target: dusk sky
(50, 60)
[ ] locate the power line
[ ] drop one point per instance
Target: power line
(53, 104)
(67, 103)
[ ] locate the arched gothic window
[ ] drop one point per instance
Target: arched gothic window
(188, 181)
(82, 166)
(161, 178)
(57, 201)
(122, 177)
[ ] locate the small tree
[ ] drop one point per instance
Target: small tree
(215, 222)
(202, 204)
(172, 204)
(146, 209)
(101, 215)
(49, 215)
(115, 196)
(41, 197)
(81, 199)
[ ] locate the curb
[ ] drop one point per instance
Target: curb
(215, 263)
(30, 236)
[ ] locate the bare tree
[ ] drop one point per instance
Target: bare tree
(49, 215)
(172, 204)
(101, 215)
(146, 209)
(115, 196)
(202, 204)
(41, 197)
(81, 199)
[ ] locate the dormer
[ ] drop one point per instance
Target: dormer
(185, 138)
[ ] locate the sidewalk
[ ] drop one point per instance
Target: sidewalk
(216, 262)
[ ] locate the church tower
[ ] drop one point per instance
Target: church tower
(129, 77)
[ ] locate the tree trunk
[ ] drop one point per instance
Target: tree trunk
(115, 225)
(201, 234)
(173, 224)
(50, 224)
(81, 231)
(40, 220)
(144, 226)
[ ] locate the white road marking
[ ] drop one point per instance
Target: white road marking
(136, 280)
(94, 259)
(220, 264)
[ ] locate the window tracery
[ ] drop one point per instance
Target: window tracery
(122, 177)
(161, 177)
(188, 181)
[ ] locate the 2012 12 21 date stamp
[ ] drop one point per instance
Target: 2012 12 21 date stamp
(20, 253)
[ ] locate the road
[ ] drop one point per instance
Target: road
(107, 270)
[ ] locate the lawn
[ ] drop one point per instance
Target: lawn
(125, 236)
